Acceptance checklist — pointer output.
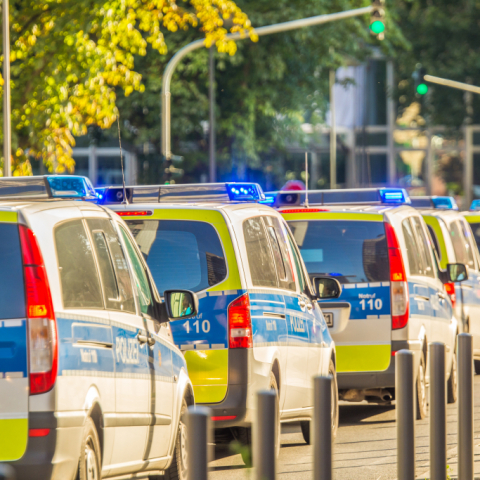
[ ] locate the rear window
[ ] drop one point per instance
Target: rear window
(181, 254)
(352, 251)
(12, 296)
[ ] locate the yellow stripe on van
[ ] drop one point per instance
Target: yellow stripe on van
(434, 223)
(472, 218)
(10, 217)
(363, 358)
(369, 217)
(13, 438)
(208, 371)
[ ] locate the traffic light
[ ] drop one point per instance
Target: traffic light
(421, 86)
(377, 19)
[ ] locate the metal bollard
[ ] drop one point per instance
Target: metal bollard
(465, 406)
(198, 443)
(264, 454)
(322, 428)
(405, 400)
(6, 472)
(438, 413)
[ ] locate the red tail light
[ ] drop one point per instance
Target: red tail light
(450, 289)
(42, 327)
(398, 281)
(240, 323)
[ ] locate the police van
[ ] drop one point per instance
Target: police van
(473, 218)
(378, 247)
(259, 325)
(91, 383)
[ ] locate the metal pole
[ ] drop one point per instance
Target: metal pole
(391, 123)
(438, 413)
(333, 132)
(322, 428)
(262, 31)
(465, 406)
(429, 160)
(211, 99)
(405, 399)
(451, 83)
(199, 442)
(468, 168)
(264, 457)
(7, 121)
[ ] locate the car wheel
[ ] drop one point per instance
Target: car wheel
(305, 426)
(178, 468)
(90, 464)
(452, 381)
(421, 387)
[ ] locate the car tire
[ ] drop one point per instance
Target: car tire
(90, 463)
(178, 468)
(421, 390)
(305, 426)
(452, 381)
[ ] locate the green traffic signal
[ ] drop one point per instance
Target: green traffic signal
(422, 88)
(377, 27)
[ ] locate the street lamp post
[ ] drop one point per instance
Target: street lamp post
(262, 31)
(7, 133)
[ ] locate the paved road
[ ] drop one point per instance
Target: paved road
(365, 448)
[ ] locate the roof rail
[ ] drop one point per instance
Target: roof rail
(43, 187)
(348, 196)
(183, 193)
(434, 201)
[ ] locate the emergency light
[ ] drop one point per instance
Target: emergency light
(358, 196)
(181, 193)
(475, 206)
(444, 203)
(47, 186)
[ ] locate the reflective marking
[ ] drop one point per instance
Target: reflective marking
(10, 217)
(362, 285)
(254, 300)
(373, 285)
(202, 346)
(231, 292)
(10, 416)
(372, 317)
(218, 346)
(201, 295)
(12, 323)
(362, 358)
(13, 374)
(385, 284)
(215, 294)
(384, 317)
(349, 285)
(187, 347)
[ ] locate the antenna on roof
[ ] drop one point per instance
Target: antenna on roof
(306, 179)
(124, 201)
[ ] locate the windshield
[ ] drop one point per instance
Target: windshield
(181, 254)
(12, 296)
(352, 251)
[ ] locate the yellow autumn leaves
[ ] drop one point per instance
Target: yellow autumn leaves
(68, 56)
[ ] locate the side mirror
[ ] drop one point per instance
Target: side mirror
(180, 304)
(327, 287)
(457, 272)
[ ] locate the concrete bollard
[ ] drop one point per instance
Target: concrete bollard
(198, 442)
(264, 454)
(322, 428)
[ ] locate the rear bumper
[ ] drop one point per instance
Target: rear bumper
(383, 379)
(53, 457)
(235, 401)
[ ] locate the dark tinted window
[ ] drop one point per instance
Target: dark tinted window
(352, 251)
(180, 254)
(260, 259)
(435, 241)
(12, 295)
(476, 232)
(78, 272)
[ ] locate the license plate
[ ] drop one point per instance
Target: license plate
(329, 319)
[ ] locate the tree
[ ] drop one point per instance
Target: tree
(71, 58)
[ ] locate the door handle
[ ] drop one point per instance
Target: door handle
(302, 303)
(309, 306)
(441, 295)
(422, 297)
(275, 315)
(142, 339)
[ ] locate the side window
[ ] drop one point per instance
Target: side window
(459, 245)
(435, 241)
(145, 296)
(414, 262)
(78, 272)
(298, 264)
(117, 287)
(280, 253)
(260, 260)
(424, 247)
(469, 243)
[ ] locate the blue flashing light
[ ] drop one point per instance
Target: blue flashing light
(334, 274)
(71, 186)
(246, 192)
(270, 198)
(394, 196)
(475, 206)
(446, 203)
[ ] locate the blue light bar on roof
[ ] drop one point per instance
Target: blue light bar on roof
(475, 206)
(70, 186)
(250, 192)
(394, 196)
(444, 203)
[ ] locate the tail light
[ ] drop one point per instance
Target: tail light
(450, 289)
(240, 323)
(42, 327)
(398, 281)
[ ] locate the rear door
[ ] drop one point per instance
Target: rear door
(14, 384)
(353, 249)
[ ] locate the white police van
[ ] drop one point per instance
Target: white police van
(259, 324)
(379, 248)
(91, 384)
